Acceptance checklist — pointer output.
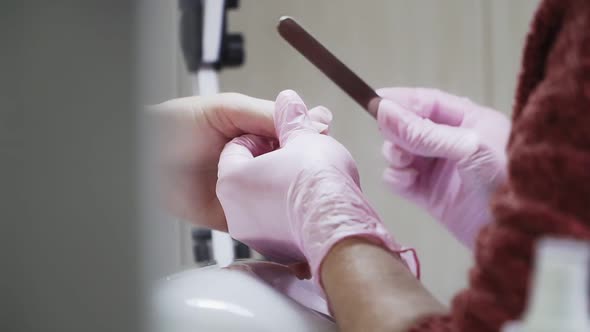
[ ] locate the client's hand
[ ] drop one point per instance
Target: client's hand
(293, 202)
(192, 133)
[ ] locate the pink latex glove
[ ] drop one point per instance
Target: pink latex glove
(192, 133)
(292, 204)
(445, 153)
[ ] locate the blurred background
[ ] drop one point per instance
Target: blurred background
(78, 246)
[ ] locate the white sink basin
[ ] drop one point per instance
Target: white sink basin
(246, 296)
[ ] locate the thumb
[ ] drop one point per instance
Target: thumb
(291, 117)
(241, 150)
(422, 136)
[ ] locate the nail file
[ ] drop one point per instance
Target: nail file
(329, 64)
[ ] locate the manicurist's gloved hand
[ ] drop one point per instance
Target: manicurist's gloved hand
(294, 198)
(192, 132)
(445, 153)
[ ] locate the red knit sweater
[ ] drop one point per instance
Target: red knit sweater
(548, 188)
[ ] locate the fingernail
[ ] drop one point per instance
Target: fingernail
(321, 114)
(399, 179)
(401, 157)
(386, 150)
(322, 128)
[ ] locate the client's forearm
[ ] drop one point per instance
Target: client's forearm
(371, 290)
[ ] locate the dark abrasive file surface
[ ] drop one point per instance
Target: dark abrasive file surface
(329, 64)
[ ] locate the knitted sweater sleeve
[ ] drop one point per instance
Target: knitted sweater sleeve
(548, 187)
